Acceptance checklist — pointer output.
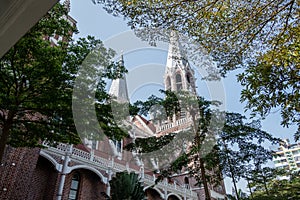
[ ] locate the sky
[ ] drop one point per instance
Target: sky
(146, 64)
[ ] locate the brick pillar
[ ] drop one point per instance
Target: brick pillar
(16, 172)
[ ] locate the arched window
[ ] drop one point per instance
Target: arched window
(168, 83)
(188, 78)
(178, 82)
(186, 182)
(190, 82)
(73, 195)
(118, 145)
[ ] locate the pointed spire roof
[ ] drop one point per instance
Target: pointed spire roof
(118, 87)
(175, 55)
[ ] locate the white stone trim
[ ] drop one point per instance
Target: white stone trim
(103, 178)
(57, 166)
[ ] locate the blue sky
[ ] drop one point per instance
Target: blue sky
(93, 20)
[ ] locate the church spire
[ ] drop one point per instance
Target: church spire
(118, 87)
(178, 75)
(175, 55)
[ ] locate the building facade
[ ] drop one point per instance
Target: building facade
(287, 156)
(84, 171)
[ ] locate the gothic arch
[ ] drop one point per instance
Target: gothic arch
(186, 182)
(190, 81)
(189, 78)
(103, 178)
(178, 80)
(168, 83)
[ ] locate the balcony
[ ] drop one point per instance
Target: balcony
(106, 164)
(177, 123)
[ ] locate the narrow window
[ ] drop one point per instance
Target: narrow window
(178, 82)
(94, 144)
(186, 182)
(188, 78)
(73, 195)
(168, 83)
(118, 145)
(190, 83)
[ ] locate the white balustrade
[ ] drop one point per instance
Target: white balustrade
(104, 164)
(81, 154)
(177, 123)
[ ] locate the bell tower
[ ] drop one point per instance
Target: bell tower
(178, 74)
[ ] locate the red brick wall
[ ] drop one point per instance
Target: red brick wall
(44, 181)
(16, 172)
(26, 175)
(90, 186)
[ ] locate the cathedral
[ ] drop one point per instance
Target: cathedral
(83, 171)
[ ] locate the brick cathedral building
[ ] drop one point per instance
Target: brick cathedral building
(83, 171)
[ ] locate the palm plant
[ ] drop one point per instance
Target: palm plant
(126, 186)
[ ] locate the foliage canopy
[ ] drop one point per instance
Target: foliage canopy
(37, 79)
(261, 36)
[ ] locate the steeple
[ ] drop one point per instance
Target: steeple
(118, 87)
(175, 54)
(178, 74)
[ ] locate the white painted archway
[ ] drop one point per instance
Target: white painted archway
(103, 178)
(57, 166)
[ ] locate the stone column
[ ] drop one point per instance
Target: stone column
(64, 171)
(110, 173)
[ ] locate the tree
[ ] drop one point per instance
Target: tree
(277, 188)
(241, 145)
(261, 36)
(221, 144)
(36, 82)
(198, 136)
(126, 186)
(259, 178)
(240, 194)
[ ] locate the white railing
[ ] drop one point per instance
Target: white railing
(179, 122)
(165, 127)
(150, 180)
(81, 154)
(105, 164)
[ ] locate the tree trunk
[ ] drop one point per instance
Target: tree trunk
(232, 173)
(234, 184)
(265, 184)
(251, 195)
(5, 133)
(205, 185)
